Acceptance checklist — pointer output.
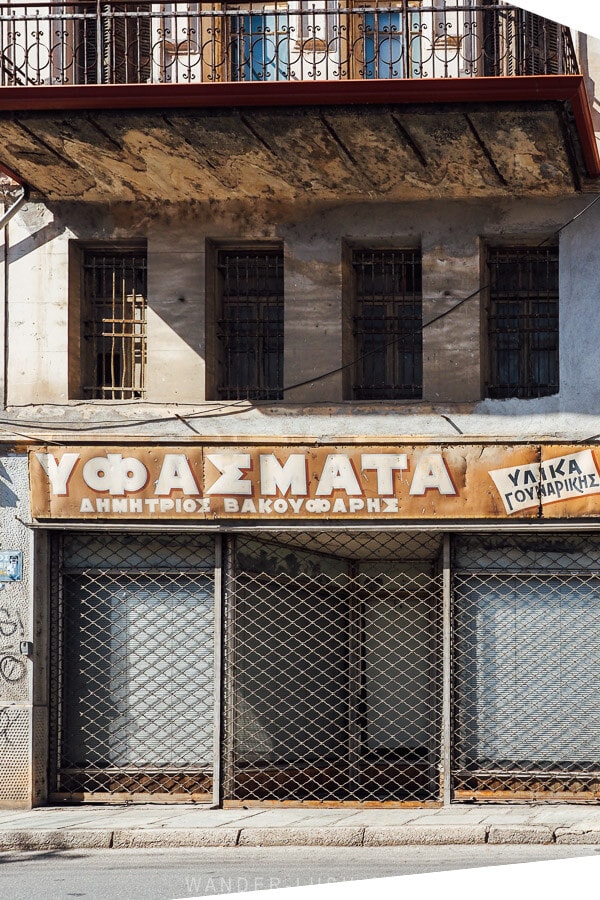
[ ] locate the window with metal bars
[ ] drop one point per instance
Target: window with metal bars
(114, 324)
(250, 323)
(387, 325)
(522, 322)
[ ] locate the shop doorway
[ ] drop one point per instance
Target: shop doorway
(526, 664)
(132, 663)
(333, 668)
(342, 667)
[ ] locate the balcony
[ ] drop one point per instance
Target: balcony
(305, 100)
(116, 43)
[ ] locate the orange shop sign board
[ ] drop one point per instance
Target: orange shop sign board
(354, 482)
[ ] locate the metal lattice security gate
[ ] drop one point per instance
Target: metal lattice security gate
(527, 667)
(133, 665)
(333, 668)
(356, 667)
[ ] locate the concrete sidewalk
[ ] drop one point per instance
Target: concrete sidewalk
(162, 825)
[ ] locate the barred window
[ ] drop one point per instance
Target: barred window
(523, 322)
(114, 324)
(250, 324)
(388, 325)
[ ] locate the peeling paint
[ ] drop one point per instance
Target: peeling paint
(183, 155)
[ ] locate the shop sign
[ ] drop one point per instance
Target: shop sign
(315, 482)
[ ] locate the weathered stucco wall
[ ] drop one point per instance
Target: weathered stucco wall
(451, 235)
(18, 716)
(580, 302)
(37, 333)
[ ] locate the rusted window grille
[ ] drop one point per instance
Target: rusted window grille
(250, 324)
(388, 325)
(114, 324)
(523, 322)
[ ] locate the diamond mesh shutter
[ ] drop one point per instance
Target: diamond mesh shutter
(333, 668)
(527, 666)
(133, 633)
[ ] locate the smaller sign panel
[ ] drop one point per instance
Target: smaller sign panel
(566, 476)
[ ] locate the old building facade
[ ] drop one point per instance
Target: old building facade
(300, 481)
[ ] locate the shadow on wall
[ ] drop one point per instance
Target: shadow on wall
(8, 498)
(43, 235)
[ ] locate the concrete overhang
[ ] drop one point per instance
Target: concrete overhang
(393, 140)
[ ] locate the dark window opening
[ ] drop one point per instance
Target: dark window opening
(388, 325)
(523, 322)
(114, 324)
(516, 42)
(113, 44)
(250, 324)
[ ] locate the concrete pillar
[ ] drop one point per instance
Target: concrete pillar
(313, 321)
(452, 344)
(175, 371)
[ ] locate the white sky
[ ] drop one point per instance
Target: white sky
(581, 15)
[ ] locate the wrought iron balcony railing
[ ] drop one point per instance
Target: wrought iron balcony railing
(132, 43)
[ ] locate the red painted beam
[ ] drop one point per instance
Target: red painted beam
(520, 89)
(288, 93)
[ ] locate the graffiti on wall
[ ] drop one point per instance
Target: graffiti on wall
(12, 632)
(7, 719)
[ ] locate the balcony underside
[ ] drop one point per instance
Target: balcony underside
(379, 146)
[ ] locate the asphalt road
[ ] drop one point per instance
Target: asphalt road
(167, 874)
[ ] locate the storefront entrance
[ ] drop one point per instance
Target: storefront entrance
(334, 668)
(347, 666)
(526, 648)
(133, 667)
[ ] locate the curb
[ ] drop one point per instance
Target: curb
(302, 837)
(520, 834)
(129, 838)
(576, 835)
(393, 836)
(56, 840)
(328, 836)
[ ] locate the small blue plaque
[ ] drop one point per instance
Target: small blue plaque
(11, 565)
